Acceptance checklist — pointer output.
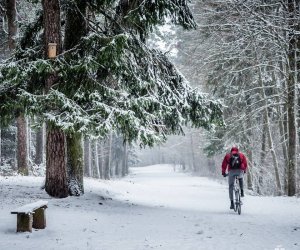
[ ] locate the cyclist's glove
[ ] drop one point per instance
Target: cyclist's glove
(224, 175)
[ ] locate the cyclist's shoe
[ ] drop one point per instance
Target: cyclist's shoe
(242, 193)
(231, 205)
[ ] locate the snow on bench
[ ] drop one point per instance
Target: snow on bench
(31, 216)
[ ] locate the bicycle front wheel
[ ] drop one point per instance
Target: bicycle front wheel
(239, 207)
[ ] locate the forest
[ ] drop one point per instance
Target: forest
(86, 86)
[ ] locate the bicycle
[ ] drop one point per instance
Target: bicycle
(237, 202)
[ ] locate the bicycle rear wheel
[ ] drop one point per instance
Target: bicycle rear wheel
(236, 201)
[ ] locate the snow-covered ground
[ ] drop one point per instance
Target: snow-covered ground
(153, 208)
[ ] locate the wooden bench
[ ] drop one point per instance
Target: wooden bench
(31, 216)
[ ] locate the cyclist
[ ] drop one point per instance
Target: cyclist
(236, 164)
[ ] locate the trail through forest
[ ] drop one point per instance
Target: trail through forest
(153, 208)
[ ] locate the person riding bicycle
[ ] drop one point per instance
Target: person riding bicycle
(236, 164)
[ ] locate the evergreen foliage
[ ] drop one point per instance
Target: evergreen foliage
(111, 80)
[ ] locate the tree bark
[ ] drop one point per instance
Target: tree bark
(293, 6)
(262, 157)
(75, 164)
(249, 146)
(193, 153)
(56, 175)
(75, 29)
(96, 160)
(0, 148)
(100, 159)
(125, 160)
(22, 155)
(87, 157)
(39, 149)
(11, 13)
(22, 150)
(107, 161)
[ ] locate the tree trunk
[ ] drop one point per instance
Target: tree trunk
(249, 145)
(249, 171)
(117, 167)
(22, 155)
(29, 139)
(96, 160)
(193, 154)
(107, 161)
(269, 135)
(100, 159)
(39, 149)
(268, 125)
(75, 29)
(11, 13)
(293, 7)
(87, 157)
(125, 160)
(56, 175)
(76, 25)
(75, 164)
(0, 148)
(282, 130)
(262, 158)
(22, 150)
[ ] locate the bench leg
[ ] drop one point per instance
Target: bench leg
(24, 222)
(39, 219)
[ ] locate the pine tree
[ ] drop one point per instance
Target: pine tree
(107, 79)
(56, 179)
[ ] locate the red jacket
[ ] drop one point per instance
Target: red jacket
(225, 163)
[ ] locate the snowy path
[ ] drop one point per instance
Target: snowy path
(153, 208)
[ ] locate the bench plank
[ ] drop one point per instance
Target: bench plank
(29, 208)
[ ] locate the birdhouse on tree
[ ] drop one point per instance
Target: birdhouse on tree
(52, 50)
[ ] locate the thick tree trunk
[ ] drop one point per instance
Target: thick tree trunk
(22, 155)
(293, 7)
(75, 29)
(56, 174)
(75, 164)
